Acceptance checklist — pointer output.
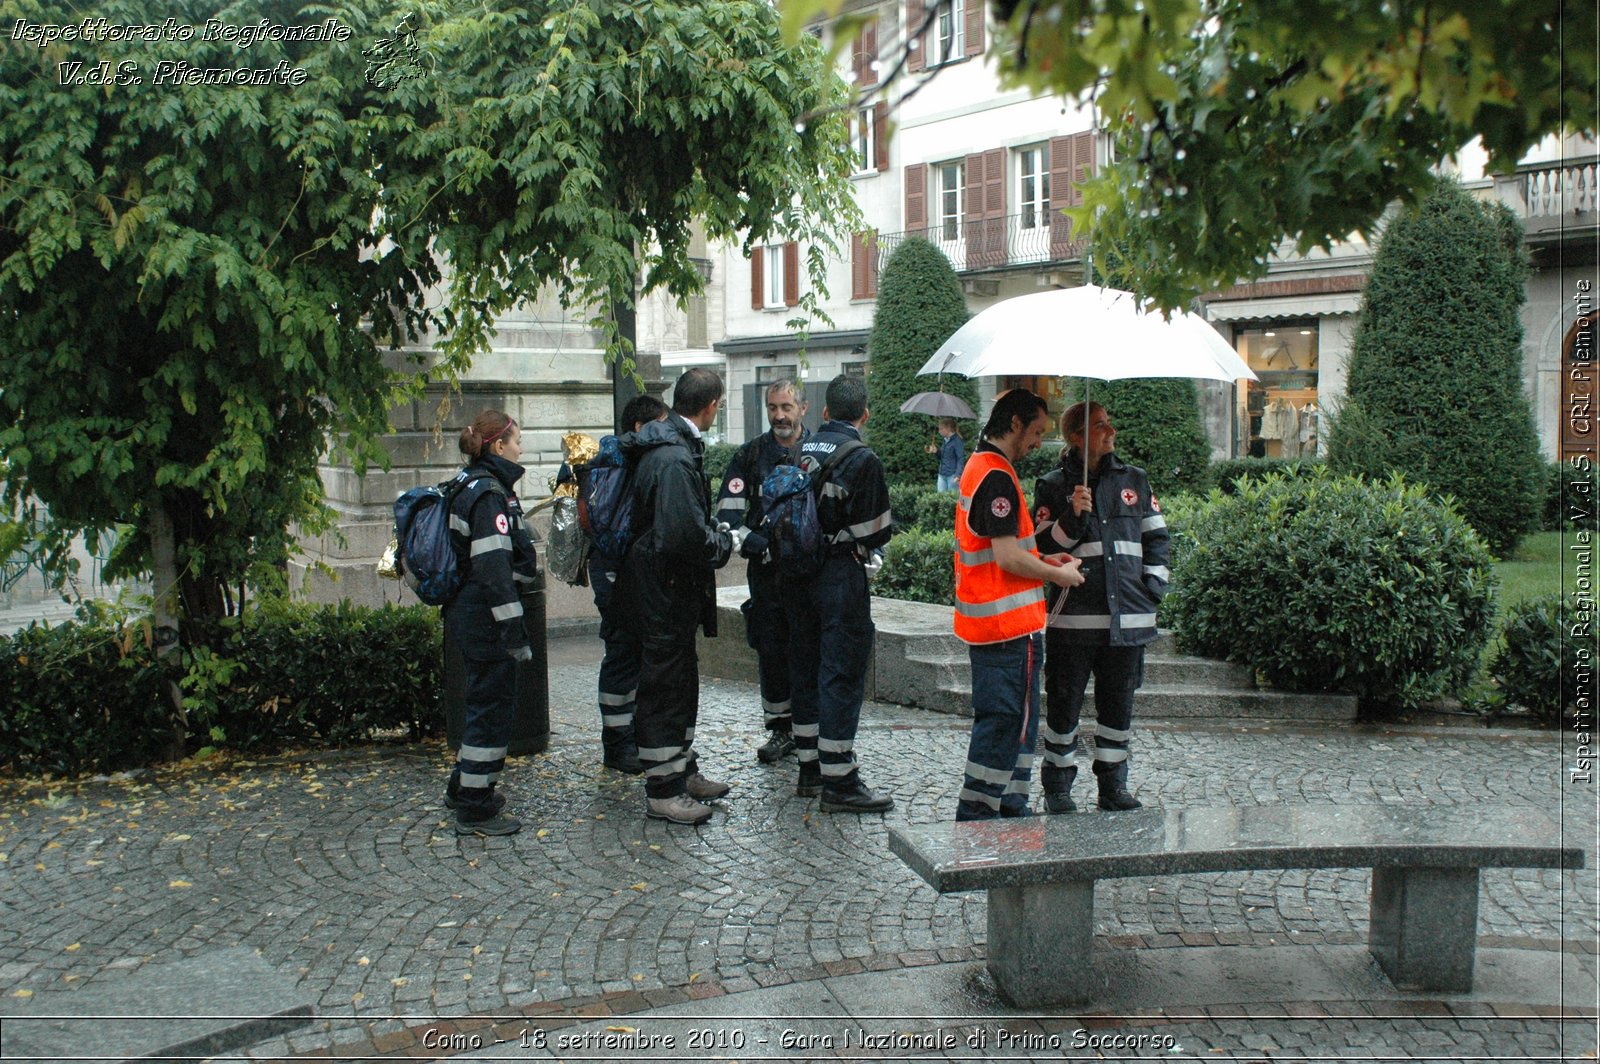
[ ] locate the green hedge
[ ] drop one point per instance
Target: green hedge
(88, 695)
(329, 675)
(84, 696)
(920, 567)
(1335, 583)
(1571, 495)
(1222, 474)
(1546, 664)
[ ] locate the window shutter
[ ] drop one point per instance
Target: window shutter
(858, 266)
(915, 14)
(972, 227)
(791, 274)
(1062, 194)
(973, 31)
(916, 197)
(870, 243)
(867, 55)
(986, 241)
(758, 285)
(880, 133)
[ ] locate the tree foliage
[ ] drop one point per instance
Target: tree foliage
(199, 280)
(1240, 124)
(1435, 376)
(920, 304)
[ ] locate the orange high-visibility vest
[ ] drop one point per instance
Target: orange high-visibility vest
(992, 605)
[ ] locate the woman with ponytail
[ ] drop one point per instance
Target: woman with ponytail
(485, 620)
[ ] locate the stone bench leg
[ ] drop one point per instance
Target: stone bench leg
(1041, 942)
(1424, 926)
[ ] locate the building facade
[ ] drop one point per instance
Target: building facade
(944, 153)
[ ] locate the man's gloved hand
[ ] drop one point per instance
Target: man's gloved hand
(734, 534)
(755, 545)
(522, 653)
(873, 563)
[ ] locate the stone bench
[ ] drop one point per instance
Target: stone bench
(1040, 874)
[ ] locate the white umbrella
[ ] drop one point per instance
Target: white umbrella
(1089, 331)
(1092, 332)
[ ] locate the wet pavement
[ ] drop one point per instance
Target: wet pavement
(775, 931)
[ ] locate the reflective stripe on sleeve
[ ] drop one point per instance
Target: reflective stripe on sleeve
(510, 611)
(1161, 572)
(1150, 524)
(489, 544)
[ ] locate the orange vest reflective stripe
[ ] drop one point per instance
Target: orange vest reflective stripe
(992, 605)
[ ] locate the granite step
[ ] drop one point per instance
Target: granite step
(202, 1006)
(918, 661)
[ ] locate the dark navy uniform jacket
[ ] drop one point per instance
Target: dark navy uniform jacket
(853, 509)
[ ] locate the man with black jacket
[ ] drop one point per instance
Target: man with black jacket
(832, 619)
(669, 584)
(1113, 524)
(767, 616)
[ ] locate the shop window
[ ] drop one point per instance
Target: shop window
(1278, 415)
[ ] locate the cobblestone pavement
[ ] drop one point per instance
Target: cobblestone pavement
(342, 871)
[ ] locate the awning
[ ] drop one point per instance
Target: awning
(1315, 306)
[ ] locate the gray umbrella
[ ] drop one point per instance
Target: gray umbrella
(939, 404)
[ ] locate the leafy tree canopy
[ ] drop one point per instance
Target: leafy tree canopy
(198, 279)
(1239, 124)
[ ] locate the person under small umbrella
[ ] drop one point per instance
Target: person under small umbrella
(952, 454)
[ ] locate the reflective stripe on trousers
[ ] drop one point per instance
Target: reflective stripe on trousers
(1005, 725)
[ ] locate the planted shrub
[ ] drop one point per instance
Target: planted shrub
(1571, 496)
(1321, 582)
(84, 696)
(1224, 472)
(919, 566)
(1542, 665)
(920, 303)
(1158, 429)
(717, 458)
(89, 696)
(330, 675)
(1436, 366)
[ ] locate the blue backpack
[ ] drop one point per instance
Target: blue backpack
(606, 500)
(789, 514)
(427, 552)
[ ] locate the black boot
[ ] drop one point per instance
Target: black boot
(1058, 788)
(1113, 782)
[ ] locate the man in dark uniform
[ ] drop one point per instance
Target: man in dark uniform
(739, 507)
(831, 621)
(668, 583)
(1114, 525)
(619, 667)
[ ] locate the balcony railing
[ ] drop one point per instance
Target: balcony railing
(1036, 238)
(1552, 195)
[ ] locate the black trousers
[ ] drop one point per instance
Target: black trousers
(669, 699)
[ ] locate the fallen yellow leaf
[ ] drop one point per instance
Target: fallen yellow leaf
(75, 947)
(180, 883)
(364, 961)
(401, 981)
(639, 886)
(22, 993)
(621, 1029)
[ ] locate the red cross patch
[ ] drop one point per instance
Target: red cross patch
(501, 525)
(736, 486)
(1154, 505)
(1000, 507)
(1129, 497)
